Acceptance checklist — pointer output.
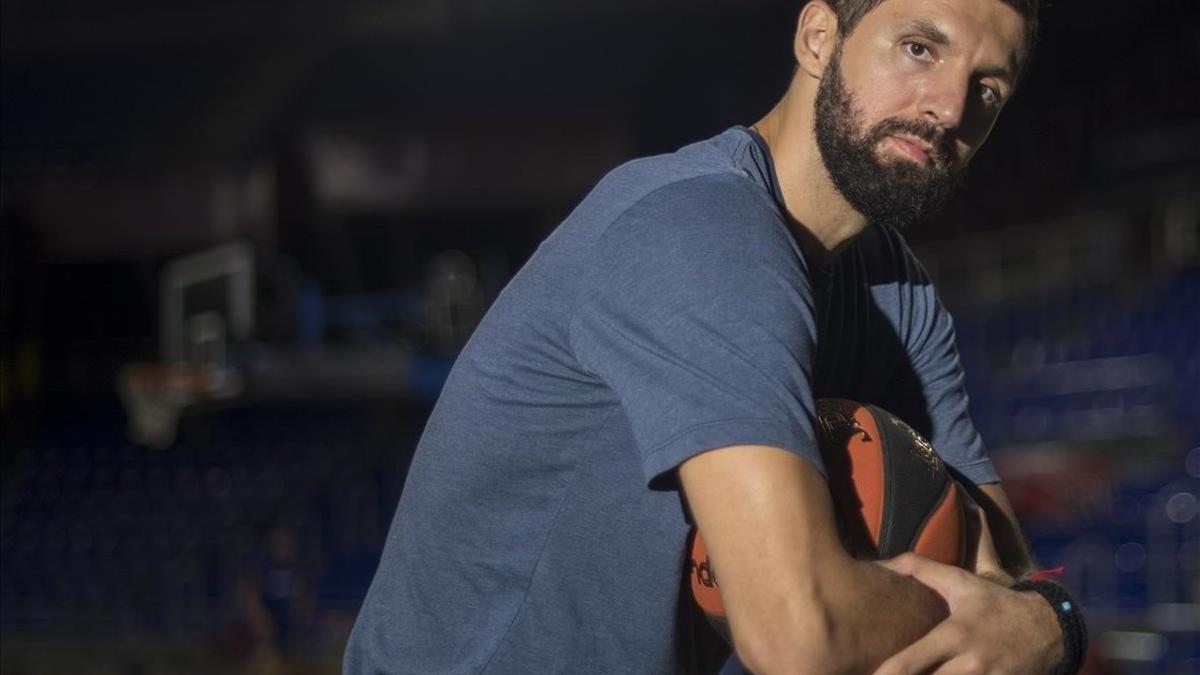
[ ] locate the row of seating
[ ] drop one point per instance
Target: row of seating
(119, 537)
(1089, 364)
(97, 534)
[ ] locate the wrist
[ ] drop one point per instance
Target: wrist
(1061, 630)
(1048, 635)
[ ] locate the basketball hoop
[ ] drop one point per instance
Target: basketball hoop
(156, 394)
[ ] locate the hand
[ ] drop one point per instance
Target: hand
(991, 629)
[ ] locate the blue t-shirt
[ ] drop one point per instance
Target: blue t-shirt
(541, 528)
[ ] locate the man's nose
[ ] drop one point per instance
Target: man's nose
(945, 100)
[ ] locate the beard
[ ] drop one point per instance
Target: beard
(895, 192)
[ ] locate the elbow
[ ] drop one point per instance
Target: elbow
(804, 645)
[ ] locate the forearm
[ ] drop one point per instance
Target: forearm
(860, 614)
(1009, 543)
(878, 613)
(796, 601)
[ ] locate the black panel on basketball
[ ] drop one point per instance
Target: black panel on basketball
(915, 482)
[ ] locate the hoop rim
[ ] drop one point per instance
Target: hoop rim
(158, 376)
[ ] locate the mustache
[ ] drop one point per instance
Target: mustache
(941, 145)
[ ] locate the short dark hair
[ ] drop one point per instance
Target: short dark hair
(850, 12)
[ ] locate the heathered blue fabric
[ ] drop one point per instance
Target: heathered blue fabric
(541, 529)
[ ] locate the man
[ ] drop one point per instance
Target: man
(657, 360)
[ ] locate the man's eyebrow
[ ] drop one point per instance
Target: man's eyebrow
(928, 30)
(1002, 72)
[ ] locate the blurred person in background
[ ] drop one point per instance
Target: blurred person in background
(657, 360)
(275, 603)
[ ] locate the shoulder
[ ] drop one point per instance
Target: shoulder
(695, 215)
(711, 198)
(706, 177)
(704, 222)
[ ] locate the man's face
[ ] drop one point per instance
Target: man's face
(910, 96)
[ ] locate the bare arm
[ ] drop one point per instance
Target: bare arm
(995, 547)
(1006, 533)
(796, 601)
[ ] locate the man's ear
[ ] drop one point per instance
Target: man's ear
(816, 37)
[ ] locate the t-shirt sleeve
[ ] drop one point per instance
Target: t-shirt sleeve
(933, 353)
(700, 318)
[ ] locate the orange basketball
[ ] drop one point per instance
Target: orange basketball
(891, 493)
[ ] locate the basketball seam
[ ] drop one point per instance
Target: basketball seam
(887, 522)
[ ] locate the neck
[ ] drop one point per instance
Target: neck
(824, 222)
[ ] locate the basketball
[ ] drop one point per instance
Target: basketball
(891, 493)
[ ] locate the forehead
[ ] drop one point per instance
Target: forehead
(990, 29)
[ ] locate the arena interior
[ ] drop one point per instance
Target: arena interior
(242, 243)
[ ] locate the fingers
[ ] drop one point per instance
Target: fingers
(939, 646)
(903, 563)
(945, 580)
(959, 665)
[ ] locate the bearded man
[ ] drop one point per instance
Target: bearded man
(656, 362)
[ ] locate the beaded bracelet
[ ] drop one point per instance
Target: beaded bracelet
(1070, 620)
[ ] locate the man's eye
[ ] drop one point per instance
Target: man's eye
(988, 95)
(917, 50)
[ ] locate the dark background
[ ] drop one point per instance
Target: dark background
(391, 164)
